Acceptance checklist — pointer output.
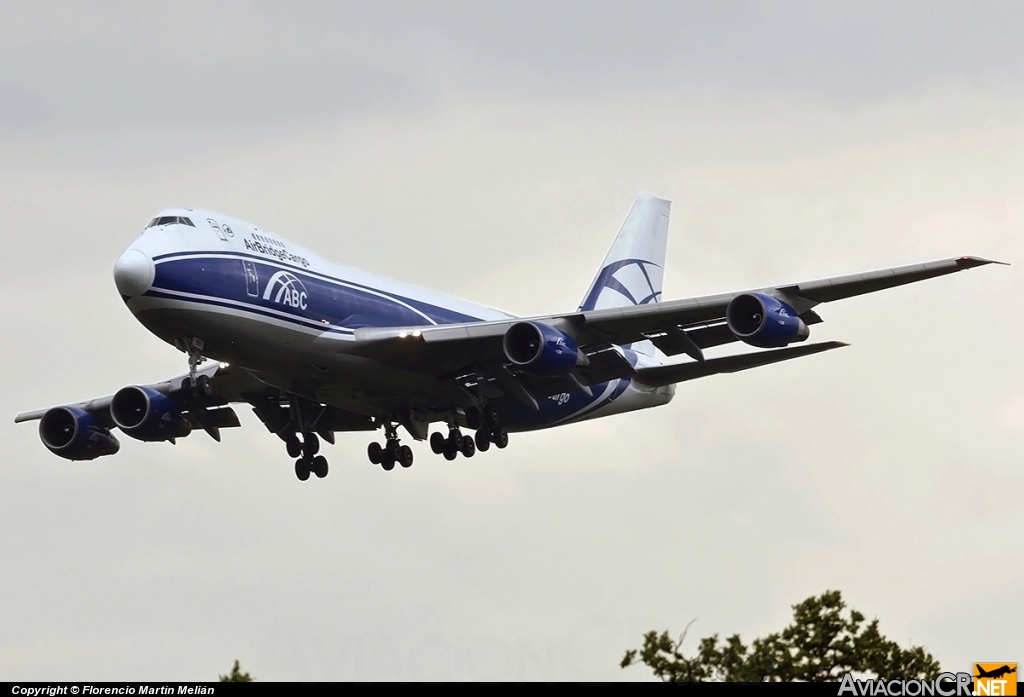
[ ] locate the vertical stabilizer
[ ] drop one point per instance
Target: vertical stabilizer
(634, 269)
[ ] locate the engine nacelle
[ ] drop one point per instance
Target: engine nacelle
(145, 414)
(764, 321)
(75, 434)
(540, 349)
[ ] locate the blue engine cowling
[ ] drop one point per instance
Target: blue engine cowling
(145, 414)
(540, 349)
(764, 321)
(75, 434)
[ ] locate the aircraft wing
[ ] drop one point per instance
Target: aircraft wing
(676, 326)
(211, 415)
(211, 411)
(628, 324)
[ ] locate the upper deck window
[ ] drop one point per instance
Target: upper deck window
(169, 220)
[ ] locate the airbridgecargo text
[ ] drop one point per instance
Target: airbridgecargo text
(282, 254)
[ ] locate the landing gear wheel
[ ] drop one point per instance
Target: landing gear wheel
(310, 445)
(500, 438)
(302, 469)
(483, 440)
(204, 386)
(454, 441)
(392, 448)
(405, 456)
(375, 452)
(437, 442)
(491, 415)
(319, 466)
(468, 448)
(450, 453)
(293, 446)
(388, 463)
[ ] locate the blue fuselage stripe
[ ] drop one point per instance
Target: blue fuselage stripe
(284, 291)
(203, 300)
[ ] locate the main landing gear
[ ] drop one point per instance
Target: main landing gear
(391, 452)
(308, 461)
(488, 431)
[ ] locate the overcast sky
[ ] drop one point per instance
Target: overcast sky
(491, 150)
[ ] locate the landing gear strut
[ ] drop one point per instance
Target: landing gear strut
(193, 347)
(306, 451)
(492, 430)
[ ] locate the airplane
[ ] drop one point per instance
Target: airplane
(316, 349)
(995, 673)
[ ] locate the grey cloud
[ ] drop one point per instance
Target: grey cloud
(21, 108)
(109, 64)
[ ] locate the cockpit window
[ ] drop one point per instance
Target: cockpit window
(170, 220)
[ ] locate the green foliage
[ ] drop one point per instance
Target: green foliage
(820, 645)
(236, 675)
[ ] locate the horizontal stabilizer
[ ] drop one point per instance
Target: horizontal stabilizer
(681, 372)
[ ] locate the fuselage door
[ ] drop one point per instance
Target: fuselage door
(252, 280)
(216, 228)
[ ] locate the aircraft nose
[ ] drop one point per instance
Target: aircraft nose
(133, 273)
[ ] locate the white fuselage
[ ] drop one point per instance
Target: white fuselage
(249, 297)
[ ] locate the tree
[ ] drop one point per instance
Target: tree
(820, 645)
(236, 675)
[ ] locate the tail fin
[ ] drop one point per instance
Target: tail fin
(634, 269)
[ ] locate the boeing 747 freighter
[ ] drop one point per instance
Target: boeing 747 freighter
(315, 348)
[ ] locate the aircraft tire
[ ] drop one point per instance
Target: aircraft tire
(320, 467)
(455, 441)
(388, 463)
(393, 449)
(293, 446)
(500, 438)
(310, 445)
(491, 415)
(468, 449)
(450, 453)
(375, 452)
(302, 469)
(405, 456)
(483, 440)
(204, 386)
(437, 442)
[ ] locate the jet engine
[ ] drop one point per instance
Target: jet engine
(540, 349)
(145, 414)
(763, 321)
(75, 434)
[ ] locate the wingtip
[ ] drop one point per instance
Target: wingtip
(969, 262)
(829, 345)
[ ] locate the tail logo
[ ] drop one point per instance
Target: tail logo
(286, 289)
(629, 278)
